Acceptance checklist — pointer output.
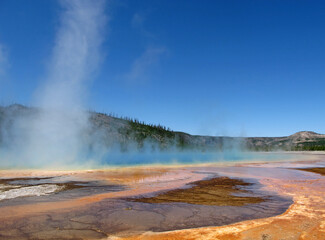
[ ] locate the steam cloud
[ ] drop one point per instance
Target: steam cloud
(141, 66)
(56, 136)
(76, 53)
(60, 134)
(3, 60)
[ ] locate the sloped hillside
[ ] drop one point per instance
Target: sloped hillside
(127, 134)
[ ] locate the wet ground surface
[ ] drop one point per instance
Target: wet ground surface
(133, 202)
(212, 201)
(214, 191)
(120, 217)
(319, 170)
(65, 188)
(303, 220)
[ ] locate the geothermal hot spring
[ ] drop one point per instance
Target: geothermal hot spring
(49, 187)
(129, 194)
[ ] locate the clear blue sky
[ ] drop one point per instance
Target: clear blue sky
(239, 68)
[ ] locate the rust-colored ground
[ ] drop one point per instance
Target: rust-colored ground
(139, 181)
(304, 220)
(219, 191)
(318, 170)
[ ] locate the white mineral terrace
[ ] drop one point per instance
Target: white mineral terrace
(38, 190)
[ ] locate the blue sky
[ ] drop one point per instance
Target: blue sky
(239, 68)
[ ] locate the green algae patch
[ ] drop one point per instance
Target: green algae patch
(314, 170)
(220, 191)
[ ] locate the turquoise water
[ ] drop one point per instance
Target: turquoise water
(136, 158)
(169, 158)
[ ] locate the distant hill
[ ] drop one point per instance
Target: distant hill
(300, 141)
(127, 133)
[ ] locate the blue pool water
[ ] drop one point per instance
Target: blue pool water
(169, 158)
(135, 158)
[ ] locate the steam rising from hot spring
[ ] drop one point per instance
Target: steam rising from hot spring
(56, 136)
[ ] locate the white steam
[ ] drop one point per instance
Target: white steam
(76, 53)
(140, 69)
(56, 137)
(3, 60)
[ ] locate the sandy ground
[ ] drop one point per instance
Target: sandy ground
(305, 218)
